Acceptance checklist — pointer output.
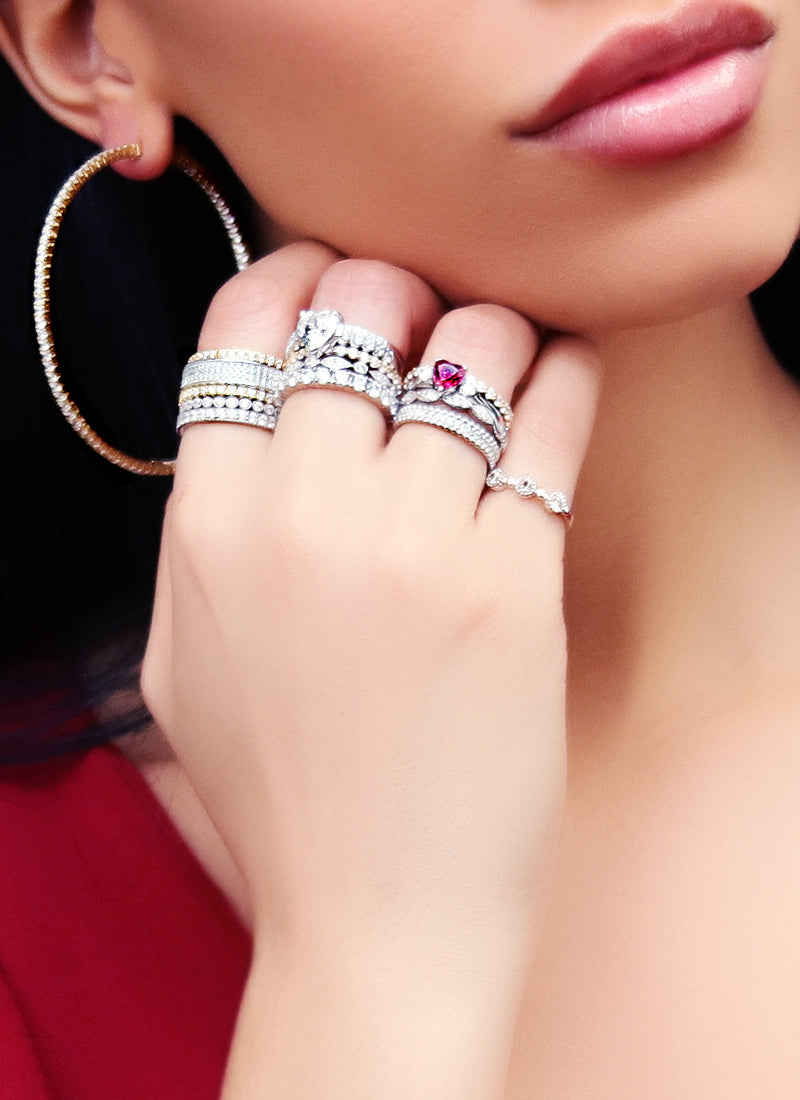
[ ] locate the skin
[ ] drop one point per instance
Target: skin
(665, 959)
(427, 142)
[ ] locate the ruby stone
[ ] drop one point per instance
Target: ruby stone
(448, 375)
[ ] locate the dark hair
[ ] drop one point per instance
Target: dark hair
(134, 272)
(136, 268)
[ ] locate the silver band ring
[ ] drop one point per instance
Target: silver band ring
(236, 367)
(555, 503)
(453, 421)
(334, 373)
(231, 385)
(265, 416)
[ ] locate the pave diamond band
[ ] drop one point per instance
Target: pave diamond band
(555, 503)
(221, 389)
(266, 418)
(237, 355)
(453, 421)
(231, 385)
(235, 367)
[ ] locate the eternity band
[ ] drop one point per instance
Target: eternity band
(231, 385)
(453, 421)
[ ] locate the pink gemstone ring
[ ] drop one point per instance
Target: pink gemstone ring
(452, 385)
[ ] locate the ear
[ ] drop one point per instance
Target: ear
(54, 47)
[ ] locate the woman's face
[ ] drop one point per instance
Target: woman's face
(390, 129)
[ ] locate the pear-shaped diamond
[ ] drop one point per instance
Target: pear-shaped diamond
(321, 328)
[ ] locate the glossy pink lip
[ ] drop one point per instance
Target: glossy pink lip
(660, 90)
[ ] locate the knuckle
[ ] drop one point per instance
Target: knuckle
(293, 536)
(305, 254)
(402, 563)
(422, 572)
(487, 328)
(299, 541)
(247, 297)
(375, 280)
(481, 603)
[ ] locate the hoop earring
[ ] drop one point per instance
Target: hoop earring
(42, 292)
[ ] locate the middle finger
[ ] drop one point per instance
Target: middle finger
(326, 429)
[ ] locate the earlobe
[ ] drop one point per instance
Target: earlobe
(126, 117)
(52, 46)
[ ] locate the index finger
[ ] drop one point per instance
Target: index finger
(255, 310)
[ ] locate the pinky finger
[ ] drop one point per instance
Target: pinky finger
(552, 424)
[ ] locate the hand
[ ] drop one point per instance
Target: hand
(357, 652)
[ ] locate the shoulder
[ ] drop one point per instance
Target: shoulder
(118, 956)
(50, 805)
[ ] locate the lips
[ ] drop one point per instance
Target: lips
(701, 69)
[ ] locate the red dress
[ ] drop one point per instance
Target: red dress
(121, 963)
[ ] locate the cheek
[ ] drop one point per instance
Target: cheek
(295, 82)
(323, 107)
(574, 249)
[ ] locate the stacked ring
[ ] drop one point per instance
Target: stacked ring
(324, 351)
(447, 396)
(231, 385)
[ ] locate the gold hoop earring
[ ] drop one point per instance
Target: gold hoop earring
(42, 292)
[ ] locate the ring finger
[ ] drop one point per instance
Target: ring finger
(439, 468)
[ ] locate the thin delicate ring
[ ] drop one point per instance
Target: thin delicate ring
(42, 291)
(555, 503)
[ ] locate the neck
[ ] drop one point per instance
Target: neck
(681, 568)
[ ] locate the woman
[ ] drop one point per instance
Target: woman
(358, 654)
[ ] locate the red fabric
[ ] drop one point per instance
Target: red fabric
(121, 963)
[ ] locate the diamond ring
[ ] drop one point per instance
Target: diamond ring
(326, 352)
(447, 396)
(555, 503)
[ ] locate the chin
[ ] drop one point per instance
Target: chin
(657, 265)
(660, 286)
